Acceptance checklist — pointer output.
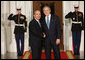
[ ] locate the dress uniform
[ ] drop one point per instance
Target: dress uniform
(77, 27)
(20, 28)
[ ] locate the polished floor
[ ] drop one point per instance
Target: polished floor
(13, 55)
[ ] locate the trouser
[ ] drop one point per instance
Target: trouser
(56, 50)
(20, 38)
(36, 52)
(76, 42)
(43, 43)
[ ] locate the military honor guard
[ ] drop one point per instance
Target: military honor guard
(77, 27)
(20, 29)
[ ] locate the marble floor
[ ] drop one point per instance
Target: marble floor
(13, 55)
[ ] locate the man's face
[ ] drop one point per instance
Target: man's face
(46, 11)
(19, 11)
(37, 15)
(76, 9)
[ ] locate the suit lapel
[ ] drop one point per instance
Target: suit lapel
(37, 24)
(51, 20)
(45, 24)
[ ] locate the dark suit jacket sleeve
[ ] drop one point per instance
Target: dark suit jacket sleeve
(69, 15)
(58, 27)
(33, 30)
(82, 19)
(11, 17)
(41, 21)
(25, 21)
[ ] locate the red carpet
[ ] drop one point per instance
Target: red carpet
(64, 55)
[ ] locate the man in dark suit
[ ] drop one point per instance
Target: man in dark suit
(20, 29)
(35, 35)
(77, 27)
(51, 27)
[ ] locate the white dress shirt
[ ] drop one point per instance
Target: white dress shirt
(38, 22)
(46, 17)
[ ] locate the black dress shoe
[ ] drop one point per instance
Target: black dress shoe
(19, 55)
(76, 53)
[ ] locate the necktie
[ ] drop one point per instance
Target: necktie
(48, 22)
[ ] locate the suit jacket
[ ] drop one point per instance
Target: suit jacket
(35, 33)
(17, 19)
(54, 32)
(73, 16)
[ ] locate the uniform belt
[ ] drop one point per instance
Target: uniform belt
(19, 24)
(76, 22)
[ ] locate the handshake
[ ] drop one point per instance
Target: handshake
(44, 35)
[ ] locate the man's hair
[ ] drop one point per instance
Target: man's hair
(35, 11)
(47, 7)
